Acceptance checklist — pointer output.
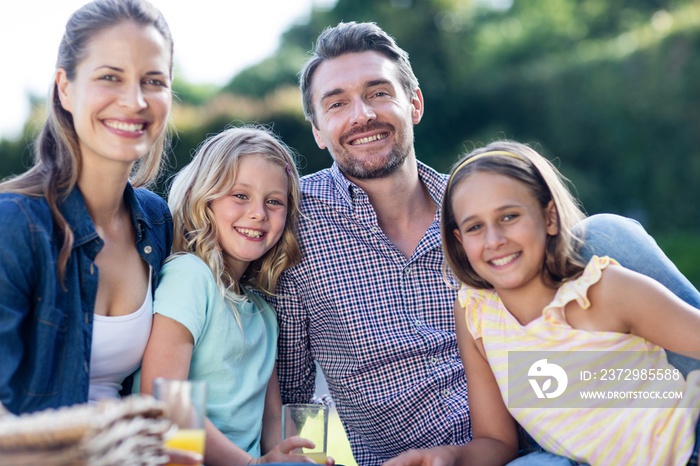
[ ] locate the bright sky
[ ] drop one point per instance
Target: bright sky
(214, 39)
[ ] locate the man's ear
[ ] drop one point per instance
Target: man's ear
(552, 219)
(63, 88)
(418, 107)
(318, 137)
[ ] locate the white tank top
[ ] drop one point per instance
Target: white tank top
(118, 344)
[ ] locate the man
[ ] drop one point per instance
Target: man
(368, 301)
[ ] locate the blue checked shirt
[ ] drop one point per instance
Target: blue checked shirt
(381, 326)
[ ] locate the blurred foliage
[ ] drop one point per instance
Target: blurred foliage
(684, 249)
(268, 75)
(186, 93)
(605, 87)
(15, 157)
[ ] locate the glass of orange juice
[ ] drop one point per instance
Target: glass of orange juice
(309, 421)
(186, 402)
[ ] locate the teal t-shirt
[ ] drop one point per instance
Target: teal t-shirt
(235, 361)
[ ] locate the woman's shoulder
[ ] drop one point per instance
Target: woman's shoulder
(151, 203)
(8, 198)
(146, 195)
(27, 224)
(14, 207)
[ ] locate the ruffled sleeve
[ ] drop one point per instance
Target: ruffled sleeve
(472, 301)
(577, 289)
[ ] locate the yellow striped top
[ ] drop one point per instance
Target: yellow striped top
(657, 433)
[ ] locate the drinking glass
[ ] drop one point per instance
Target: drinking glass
(186, 402)
(309, 421)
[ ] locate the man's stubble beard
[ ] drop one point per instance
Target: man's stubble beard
(354, 167)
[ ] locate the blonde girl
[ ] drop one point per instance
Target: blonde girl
(235, 207)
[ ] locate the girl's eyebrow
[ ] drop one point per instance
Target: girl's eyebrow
(243, 184)
(498, 209)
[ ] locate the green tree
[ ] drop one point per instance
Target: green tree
(607, 87)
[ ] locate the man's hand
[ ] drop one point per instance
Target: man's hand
(438, 456)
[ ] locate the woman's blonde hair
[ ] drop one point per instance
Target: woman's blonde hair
(211, 175)
(522, 163)
(57, 149)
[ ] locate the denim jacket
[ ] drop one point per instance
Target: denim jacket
(46, 328)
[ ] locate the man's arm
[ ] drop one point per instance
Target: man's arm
(626, 241)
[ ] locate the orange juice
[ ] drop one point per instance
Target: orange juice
(187, 439)
(318, 456)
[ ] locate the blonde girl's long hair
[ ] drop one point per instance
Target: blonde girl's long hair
(522, 163)
(57, 149)
(211, 175)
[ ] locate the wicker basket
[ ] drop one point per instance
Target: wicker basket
(129, 431)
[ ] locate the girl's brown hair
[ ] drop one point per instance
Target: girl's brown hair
(524, 164)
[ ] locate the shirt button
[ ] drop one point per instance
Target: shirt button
(148, 249)
(446, 392)
(418, 323)
(433, 360)
(407, 270)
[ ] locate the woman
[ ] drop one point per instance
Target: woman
(83, 240)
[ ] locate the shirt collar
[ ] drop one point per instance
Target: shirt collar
(138, 214)
(435, 182)
(345, 186)
(76, 214)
